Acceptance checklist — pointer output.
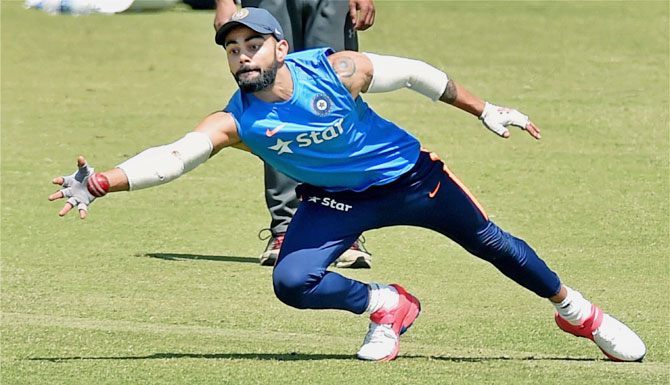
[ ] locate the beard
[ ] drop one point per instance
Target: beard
(264, 80)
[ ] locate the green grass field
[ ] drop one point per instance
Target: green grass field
(162, 286)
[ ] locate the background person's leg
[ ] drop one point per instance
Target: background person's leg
(282, 203)
(328, 25)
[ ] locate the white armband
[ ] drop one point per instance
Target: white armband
(392, 72)
(158, 165)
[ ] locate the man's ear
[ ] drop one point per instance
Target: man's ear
(281, 50)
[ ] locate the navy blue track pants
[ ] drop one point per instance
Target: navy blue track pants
(428, 196)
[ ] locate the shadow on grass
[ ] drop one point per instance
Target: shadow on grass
(217, 258)
(300, 357)
(505, 358)
(216, 356)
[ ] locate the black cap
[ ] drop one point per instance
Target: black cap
(257, 19)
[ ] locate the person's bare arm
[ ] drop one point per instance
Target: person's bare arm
(151, 167)
(390, 73)
(224, 10)
(495, 118)
(221, 129)
(362, 14)
(353, 69)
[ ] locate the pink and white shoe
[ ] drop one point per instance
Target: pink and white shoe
(615, 339)
(386, 326)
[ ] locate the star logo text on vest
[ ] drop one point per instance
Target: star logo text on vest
(306, 139)
(317, 137)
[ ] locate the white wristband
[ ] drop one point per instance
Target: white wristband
(158, 165)
(392, 72)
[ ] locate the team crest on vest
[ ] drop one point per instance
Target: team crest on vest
(321, 104)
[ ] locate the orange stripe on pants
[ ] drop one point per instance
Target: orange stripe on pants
(434, 157)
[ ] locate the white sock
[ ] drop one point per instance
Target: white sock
(574, 308)
(382, 296)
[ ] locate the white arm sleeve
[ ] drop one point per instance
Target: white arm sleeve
(392, 72)
(158, 165)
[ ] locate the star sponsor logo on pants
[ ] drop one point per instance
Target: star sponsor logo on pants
(331, 203)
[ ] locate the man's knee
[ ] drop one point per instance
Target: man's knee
(292, 283)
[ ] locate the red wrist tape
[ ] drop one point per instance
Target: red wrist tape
(98, 185)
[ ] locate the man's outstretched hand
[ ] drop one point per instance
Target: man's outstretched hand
(497, 119)
(74, 188)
